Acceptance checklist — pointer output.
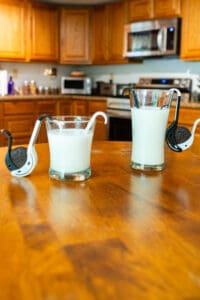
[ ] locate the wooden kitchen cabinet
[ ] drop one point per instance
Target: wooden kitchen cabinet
(101, 131)
(80, 107)
(117, 18)
(21, 128)
(44, 32)
(140, 10)
(75, 35)
(19, 119)
(187, 117)
(76, 107)
(44, 107)
(1, 124)
(108, 23)
(65, 107)
(165, 9)
(14, 30)
(190, 37)
(99, 35)
(19, 116)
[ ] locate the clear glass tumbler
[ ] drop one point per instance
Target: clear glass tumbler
(70, 146)
(149, 113)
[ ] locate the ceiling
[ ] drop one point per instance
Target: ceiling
(76, 2)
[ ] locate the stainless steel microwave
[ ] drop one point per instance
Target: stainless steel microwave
(76, 85)
(152, 38)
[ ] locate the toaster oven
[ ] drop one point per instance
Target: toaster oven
(76, 85)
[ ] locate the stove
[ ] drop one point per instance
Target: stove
(119, 106)
(183, 84)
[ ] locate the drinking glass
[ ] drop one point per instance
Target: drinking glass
(70, 144)
(149, 114)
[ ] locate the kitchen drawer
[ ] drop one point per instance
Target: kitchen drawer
(80, 107)
(96, 106)
(18, 107)
(47, 107)
(21, 128)
(66, 107)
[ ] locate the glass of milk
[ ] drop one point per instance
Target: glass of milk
(70, 147)
(149, 113)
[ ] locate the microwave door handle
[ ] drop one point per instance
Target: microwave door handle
(162, 39)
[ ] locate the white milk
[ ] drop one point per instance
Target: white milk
(69, 150)
(149, 126)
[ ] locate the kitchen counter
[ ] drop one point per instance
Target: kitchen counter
(120, 235)
(191, 104)
(53, 97)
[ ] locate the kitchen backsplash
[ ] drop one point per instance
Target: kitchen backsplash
(168, 67)
(37, 72)
(172, 67)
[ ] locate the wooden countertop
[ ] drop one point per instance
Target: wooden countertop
(191, 104)
(53, 97)
(120, 235)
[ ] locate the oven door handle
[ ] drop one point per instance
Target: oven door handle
(162, 39)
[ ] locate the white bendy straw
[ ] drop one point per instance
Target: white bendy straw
(93, 118)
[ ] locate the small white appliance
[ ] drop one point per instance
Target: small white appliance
(76, 85)
(3, 82)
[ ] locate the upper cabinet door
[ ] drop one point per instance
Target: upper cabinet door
(44, 33)
(13, 28)
(190, 37)
(140, 10)
(99, 34)
(169, 8)
(107, 33)
(117, 18)
(75, 36)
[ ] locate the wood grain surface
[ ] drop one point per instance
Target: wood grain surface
(121, 234)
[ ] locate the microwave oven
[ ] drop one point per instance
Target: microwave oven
(76, 85)
(152, 38)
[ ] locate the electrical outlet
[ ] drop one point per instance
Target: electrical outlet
(15, 73)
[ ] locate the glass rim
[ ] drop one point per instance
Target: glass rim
(152, 90)
(68, 119)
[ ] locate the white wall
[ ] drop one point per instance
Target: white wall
(35, 71)
(130, 73)
(122, 73)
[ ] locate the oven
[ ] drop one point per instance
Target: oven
(183, 84)
(119, 111)
(119, 119)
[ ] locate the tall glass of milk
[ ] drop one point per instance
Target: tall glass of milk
(70, 147)
(149, 113)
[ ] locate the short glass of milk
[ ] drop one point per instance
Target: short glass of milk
(70, 147)
(149, 114)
